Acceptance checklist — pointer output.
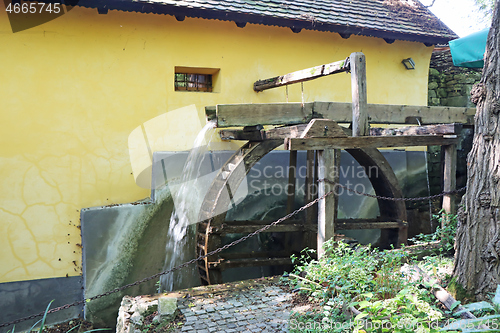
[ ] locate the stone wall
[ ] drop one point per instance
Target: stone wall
(450, 85)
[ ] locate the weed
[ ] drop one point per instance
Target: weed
(445, 233)
(406, 312)
(488, 322)
(42, 324)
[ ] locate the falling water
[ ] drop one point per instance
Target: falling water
(189, 193)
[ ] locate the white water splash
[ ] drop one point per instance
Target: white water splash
(188, 196)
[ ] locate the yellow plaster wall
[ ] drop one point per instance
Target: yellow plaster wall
(73, 90)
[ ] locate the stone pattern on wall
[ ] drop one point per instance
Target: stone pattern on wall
(450, 85)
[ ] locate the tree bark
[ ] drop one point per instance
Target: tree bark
(477, 258)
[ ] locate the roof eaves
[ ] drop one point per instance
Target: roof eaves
(166, 7)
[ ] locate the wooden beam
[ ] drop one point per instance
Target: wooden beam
(259, 135)
(297, 131)
(225, 264)
(318, 128)
(368, 142)
(449, 178)
(327, 162)
(261, 222)
(360, 126)
(224, 229)
(397, 114)
(253, 254)
(416, 274)
(443, 129)
(302, 75)
(360, 224)
(235, 115)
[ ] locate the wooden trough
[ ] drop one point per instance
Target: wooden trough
(313, 127)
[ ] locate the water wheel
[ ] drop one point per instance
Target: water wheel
(220, 195)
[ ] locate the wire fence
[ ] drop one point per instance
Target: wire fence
(225, 247)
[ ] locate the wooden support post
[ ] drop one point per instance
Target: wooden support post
(290, 191)
(360, 125)
(327, 169)
(308, 240)
(449, 178)
(292, 177)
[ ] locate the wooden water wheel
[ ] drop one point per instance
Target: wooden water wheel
(326, 138)
(220, 195)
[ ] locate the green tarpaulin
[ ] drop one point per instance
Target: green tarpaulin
(468, 51)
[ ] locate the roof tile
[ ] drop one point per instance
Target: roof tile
(399, 19)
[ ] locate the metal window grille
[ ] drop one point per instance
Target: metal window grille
(193, 82)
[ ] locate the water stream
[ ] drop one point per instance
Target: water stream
(188, 193)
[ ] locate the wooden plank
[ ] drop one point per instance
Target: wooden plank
(443, 129)
(234, 115)
(417, 274)
(297, 131)
(253, 254)
(261, 222)
(224, 229)
(368, 142)
(285, 132)
(302, 75)
(397, 114)
(326, 207)
(318, 128)
(225, 264)
(360, 126)
(294, 131)
(355, 225)
(449, 178)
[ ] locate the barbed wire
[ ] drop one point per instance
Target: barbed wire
(225, 247)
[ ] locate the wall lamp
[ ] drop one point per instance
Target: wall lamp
(409, 63)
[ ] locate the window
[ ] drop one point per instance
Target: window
(197, 79)
(193, 82)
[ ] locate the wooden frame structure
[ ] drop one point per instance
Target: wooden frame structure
(313, 127)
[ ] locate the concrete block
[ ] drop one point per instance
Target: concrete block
(167, 307)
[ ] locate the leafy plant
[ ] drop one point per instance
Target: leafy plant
(342, 273)
(489, 322)
(445, 233)
(404, 313)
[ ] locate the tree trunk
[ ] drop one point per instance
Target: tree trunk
(477, 258)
